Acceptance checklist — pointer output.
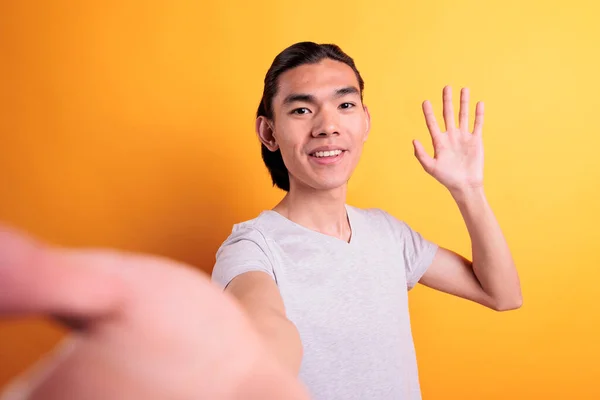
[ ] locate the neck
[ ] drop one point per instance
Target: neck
(320, 210)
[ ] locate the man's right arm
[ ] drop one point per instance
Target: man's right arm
(259, 296)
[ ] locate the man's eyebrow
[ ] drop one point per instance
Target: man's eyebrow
(347, 90)
(309, 98)
(294, 97)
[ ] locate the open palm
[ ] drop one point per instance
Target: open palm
(458, 154)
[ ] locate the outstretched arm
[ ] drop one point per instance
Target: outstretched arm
(145, 327)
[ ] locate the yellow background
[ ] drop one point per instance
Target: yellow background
(130, 125)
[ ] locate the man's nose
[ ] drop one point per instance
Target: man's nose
(327, 123)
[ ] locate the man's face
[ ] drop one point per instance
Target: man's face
(320, 124)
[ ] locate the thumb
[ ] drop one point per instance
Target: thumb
(426, 161)
(37, 279)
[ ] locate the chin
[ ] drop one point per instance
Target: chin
(326, 185)
(321, 181)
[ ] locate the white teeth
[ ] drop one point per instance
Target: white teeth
(331, 153)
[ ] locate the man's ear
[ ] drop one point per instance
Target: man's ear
(368, 123)
(264, 130)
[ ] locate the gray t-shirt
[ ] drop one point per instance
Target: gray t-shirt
(349, 301)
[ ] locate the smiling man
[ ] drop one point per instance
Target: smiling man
(325, 283)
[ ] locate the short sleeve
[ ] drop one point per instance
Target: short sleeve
(245, 250)
(417, 251)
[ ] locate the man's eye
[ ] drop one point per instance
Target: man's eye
(346, 105)
(301, 111)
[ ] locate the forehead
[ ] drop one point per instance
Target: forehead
(320, 79)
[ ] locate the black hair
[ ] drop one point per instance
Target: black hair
(292, 57)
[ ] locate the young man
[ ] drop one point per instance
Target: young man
(326, 283)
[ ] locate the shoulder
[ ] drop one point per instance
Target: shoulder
(368, 214)
(245, 249)
(382, 221)
(376, 217)
(255, 230)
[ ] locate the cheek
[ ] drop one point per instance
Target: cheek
(357, 127)
(291, 139)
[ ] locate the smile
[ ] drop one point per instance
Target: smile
(332, 153)
(327, 157)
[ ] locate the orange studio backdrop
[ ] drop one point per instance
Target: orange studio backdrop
(129, 124)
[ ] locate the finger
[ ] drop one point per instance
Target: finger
(448, 109)
(426, 161)
(478, 126)
(68, 285)
(463, 114)
(432, 125)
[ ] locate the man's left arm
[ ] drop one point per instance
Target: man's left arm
(491, 278)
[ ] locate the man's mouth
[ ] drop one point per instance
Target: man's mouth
(327, 157)
(330, 153)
